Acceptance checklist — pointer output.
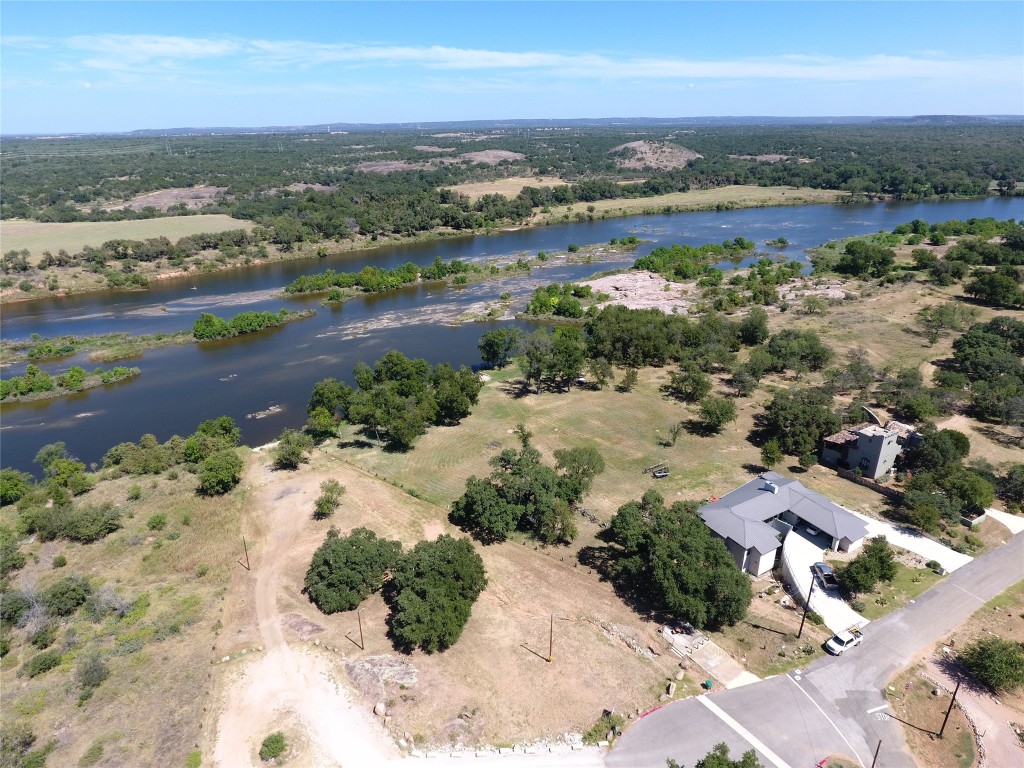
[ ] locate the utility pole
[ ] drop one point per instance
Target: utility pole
(551, 640)
(359, 616)
(807, 607)
(877, 750)
(951, 703)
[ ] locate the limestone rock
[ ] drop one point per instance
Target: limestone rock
(380, 709)
(680, 675)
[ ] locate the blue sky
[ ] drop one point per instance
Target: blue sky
(116, 66)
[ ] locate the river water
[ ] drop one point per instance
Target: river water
(181, 386)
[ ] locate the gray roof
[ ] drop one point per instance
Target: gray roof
(755, 502)
(749, 534)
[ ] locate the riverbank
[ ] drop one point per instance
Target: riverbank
(74, 280)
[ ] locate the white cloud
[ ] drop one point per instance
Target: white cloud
(126, 55)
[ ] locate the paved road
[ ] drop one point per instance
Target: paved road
(837, 706)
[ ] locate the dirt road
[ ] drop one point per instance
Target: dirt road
(287, 684)
(302, 689)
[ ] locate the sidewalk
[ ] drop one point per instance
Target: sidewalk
(721, 665)
(1015, 523)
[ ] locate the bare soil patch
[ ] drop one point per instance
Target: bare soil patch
(652, 154)
(491, 156)
(389, 166)
(920, 714)
(640, 289)
(762, 158)
(509, 187)
(424, 148)
(193, 198)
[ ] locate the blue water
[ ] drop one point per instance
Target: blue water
(181, 386)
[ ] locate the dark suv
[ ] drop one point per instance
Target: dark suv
(825, 576)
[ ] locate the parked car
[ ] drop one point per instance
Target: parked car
(844, 640)
(825, 575)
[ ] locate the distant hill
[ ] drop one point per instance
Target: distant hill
(560, 123)
(949, 120)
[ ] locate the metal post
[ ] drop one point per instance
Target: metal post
(807, 607)
(951, 703)
(246, 549)
(551, 640)
(877, 750)
(359, 615)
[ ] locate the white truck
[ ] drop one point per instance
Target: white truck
(844, 640)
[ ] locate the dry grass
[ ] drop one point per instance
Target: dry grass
(494, 684)
(767, 637)
(73, 236)
(147, 711)
(509, 187)
(921, 714)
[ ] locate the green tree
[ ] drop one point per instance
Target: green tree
(628, 380)
(498, 346)
(799, 419)
(718, 757)
(292, 449)
(753, 328)
(689, 383)
(671, 558)
(716, 412)
(432, 593)
(220, 473)
(345, 571)
(209, 327)
(13, 485)
(996, 663)
(771, 454)
(876, 563)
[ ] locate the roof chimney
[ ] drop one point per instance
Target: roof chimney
(770, 486)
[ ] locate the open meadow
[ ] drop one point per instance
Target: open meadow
(72, 237)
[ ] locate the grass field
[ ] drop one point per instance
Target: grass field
(509, 187)
(72, 237)
(736, 196)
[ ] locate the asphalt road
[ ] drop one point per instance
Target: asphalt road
(835, 706)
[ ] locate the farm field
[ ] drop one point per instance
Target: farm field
(735, 196)
(73, 236)
(509, 187)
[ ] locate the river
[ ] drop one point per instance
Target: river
(181, 386)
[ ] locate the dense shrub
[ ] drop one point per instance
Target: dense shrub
(273, 746)
(220, 473)
(66, 595)
(42, 663)
(996, 663)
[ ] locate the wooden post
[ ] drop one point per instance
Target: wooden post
(246, 549)
(877, 750)
(359, 615)
(807, 607)
(551, 640)
(951, 703)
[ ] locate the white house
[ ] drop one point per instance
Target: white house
(754, 518)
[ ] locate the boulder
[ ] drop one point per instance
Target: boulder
(671, 690)
(680, 675)
(380, 709)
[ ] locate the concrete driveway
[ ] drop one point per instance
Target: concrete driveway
(914, 541)
(801, 551)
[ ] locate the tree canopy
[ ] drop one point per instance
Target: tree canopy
(672, 559)
(346, 570)
(432, 593)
